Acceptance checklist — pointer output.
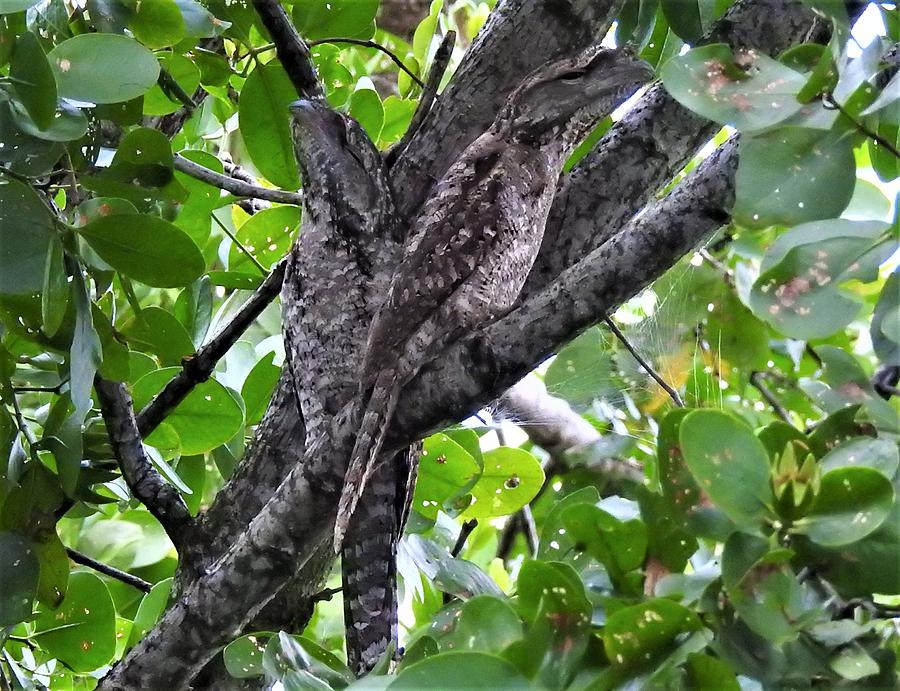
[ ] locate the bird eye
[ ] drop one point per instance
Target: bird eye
(571, 76)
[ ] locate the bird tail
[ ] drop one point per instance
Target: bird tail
(369, 565)
(369, 439)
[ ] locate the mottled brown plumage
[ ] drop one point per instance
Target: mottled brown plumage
(478, 234)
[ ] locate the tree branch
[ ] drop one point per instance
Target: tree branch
(648, 368)
(237, 187)
(198, 367)
(107, 570)
(652, 142)
(293, 53)
(146, 484)
(756, 380)
(519, 36)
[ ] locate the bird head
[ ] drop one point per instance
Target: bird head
(561, 102)
(335, 155)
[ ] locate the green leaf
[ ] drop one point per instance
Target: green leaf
(581, 370)
(511, 479)
(267, 235)
(446, 471)
(159, 332)
(854, 663)
(366, 108)
(458, 670)
(683, 17)
(13, 6)
(457, 577)
(484, 623)
(243, 656)
(26, 227)
(68, 124)
(556, 542)
(748, 90)
(618, 545)
(851, 503)
(265, 125)
(193, 308)
(153, 604)
(537, 578)
(145, 248)
(424, 33)
(85, 354)
(799, 288)
(398, 113)
(259, 386)
(185, 73)
(208, 417)
(680, 490)
(54, 562)
(634, 635)
(325, 18)
(19, 574)
(103, 68)
(158, 24)
(885, 328)
(33, 79)
(880, 454)
(792, 175)
(82, 632)
(729, 463)
(55, 292)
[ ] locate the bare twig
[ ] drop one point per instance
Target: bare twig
(829, 101)
(198, 367)
(756, 380)
(529, 529)
(145, 483)
(237, 187)
(325, 595)
(240, 246)
(370, 44)
(464, 532)
(673, 394)
(107, 570)
(429, 93)
(293, 53)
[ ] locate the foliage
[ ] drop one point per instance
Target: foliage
(758, 550)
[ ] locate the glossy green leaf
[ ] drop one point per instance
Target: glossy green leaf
(259, 386)
(683, 18)
(851, 503)
(556, 543)
(55, 291)
(156, 330)
(19, 574)
(145, 248)
(267, 235)
(326, 18)
(153, 604)
(747, 89)
(880, 454)
(460, 669)
(33, 79)
(185, 73)
(103, 68)
(799, 288)
(82, 632)
(12, 6)
(158, 24)
(729, 463)
(618, 545)
(446, 471)
(207, 417)
(450, 575)
(511, 478)
(581, 370)
(367, 109)
(483, 623)
(193, 309)
(264, 121)
(792, 175)
(634, 635)
(885, 329)
(26, 226)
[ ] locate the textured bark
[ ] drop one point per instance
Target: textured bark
(519, 36)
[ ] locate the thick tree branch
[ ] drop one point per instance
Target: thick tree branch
(198, 367)
(652, 142)
(519, 36)
(237, 187)
(300, 514)
(146, 484)
(293, 53)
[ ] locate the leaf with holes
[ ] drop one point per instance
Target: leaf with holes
(799, 290)
(267, 235)
(511, 478)
(446, 471)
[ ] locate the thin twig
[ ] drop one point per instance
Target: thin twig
(292, 51)
(38, 389)
(240, 245)
(673, 394)
(429, 94)
(146, 484)
(21, 424)
(529, 529)
(756, 380)
(464, 532)
(239, 188)
(371, 44)
(107, 570)
(829, 101)
(325, 594)
(173, 90)
(198, 367)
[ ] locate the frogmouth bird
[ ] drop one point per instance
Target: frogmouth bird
(476, 237)
(338, 271)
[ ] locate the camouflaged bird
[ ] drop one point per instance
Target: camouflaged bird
(478, 234)
(338, 271)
